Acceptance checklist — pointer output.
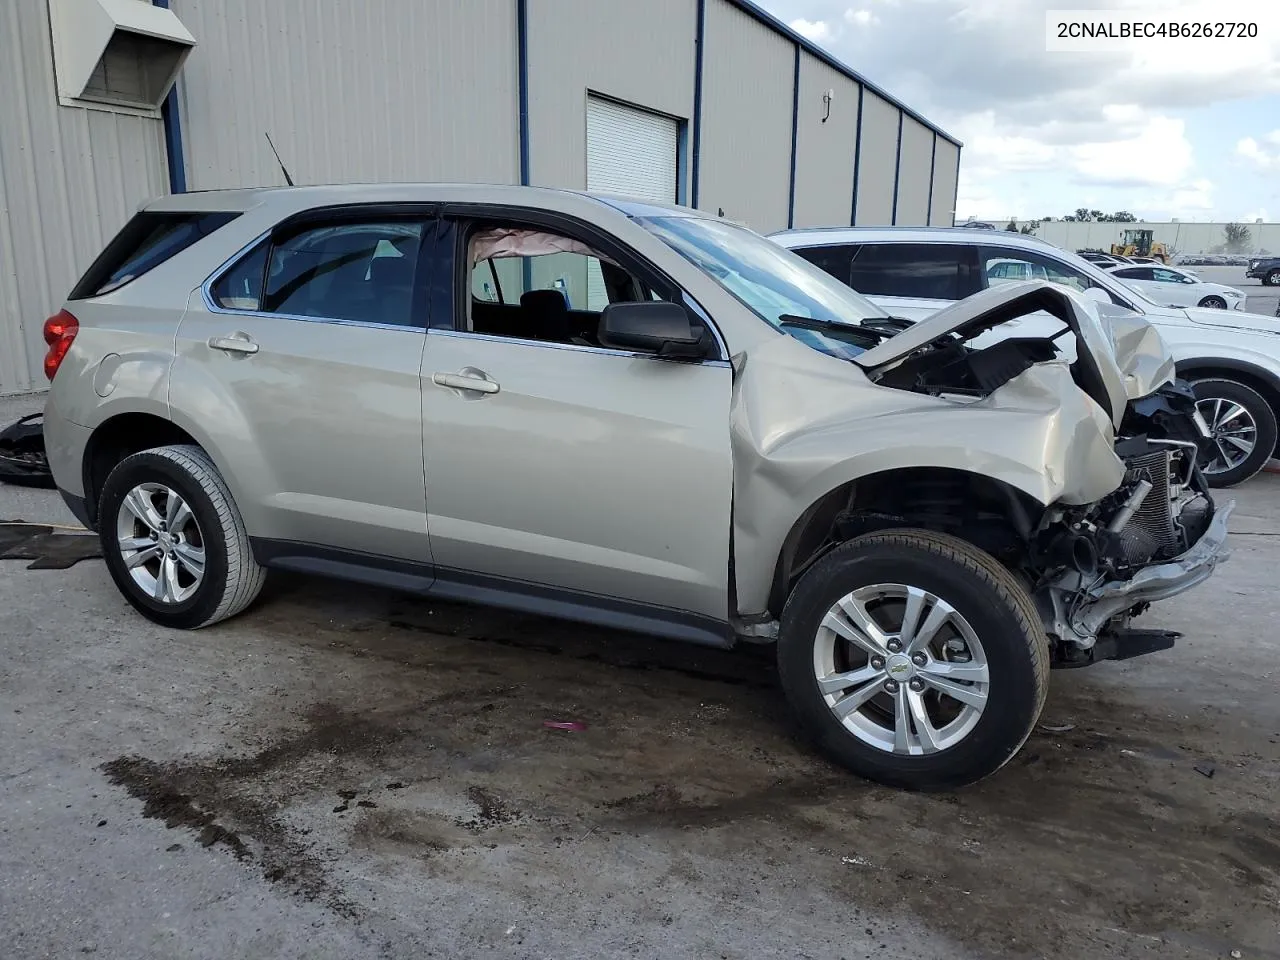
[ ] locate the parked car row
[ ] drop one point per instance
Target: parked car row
(648, 418)
(1212, 260)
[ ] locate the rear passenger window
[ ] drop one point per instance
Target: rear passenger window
(145, 242)
(833, 260)
(927, 271)
(362, 272)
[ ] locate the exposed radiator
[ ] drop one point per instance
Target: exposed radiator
(1150, 531)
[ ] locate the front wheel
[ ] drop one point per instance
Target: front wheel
(1273, 278)
(1214, 303)
(173, 540)
(913, 659)
(1242, 426)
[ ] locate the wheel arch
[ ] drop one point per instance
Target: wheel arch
(120, 436)
(816, 530)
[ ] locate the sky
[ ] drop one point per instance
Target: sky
(1187, 130)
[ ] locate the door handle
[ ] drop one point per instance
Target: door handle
(462, 381)
(234, 344)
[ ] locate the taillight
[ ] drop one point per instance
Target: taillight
(59, 331)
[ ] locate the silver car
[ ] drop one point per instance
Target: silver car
(635, 416)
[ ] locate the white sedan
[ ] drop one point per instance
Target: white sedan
(1173, 287)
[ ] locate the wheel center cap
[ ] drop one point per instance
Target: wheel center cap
(899, 666)
(166, 540)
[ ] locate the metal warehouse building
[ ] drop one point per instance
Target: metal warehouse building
(713, 103)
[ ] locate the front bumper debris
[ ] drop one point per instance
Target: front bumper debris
(1158, 582)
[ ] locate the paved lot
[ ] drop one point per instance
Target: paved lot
(348, 773)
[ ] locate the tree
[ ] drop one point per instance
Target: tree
(1030, 227)
(1082, 214)
(1123, 216)
(1237, 237)
(1012, 227)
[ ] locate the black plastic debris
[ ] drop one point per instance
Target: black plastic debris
(47, 548)
(1205, 769)
(22, 455)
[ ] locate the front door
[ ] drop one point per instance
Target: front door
(306, 354)
(553, 462)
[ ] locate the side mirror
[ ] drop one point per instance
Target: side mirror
(651, 325)
(1098, 294)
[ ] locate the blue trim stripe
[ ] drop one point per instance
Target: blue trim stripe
(795, 136)
(522, 47)
(682, 162)
(897, 171)
(172, 118)
(774, 23)
(955, 197)
(933, 164)
(697, 102)
(857, 162)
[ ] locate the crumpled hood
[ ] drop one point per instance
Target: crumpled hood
(989, 308)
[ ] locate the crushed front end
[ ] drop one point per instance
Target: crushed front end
(1160, 533)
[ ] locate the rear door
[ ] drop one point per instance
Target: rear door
(300, 363)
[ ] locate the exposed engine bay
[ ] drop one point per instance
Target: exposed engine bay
(1082, 564)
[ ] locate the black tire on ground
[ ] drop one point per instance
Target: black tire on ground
(1263, 416)
(1273, 278)
(985, 593)
(1213, 303)
(232, 577)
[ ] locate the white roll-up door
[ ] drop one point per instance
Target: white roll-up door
(632, 153)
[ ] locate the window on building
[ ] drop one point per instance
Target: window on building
(929, 271)
(362, 272)
(533, 284)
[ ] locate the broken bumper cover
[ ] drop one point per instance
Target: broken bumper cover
(1157, 582)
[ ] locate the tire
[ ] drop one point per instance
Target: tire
(1213, 397)
(1213, 303)
(229, 578)
(991, 603)
(1273, 278)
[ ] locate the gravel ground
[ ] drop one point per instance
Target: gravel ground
(344, 772)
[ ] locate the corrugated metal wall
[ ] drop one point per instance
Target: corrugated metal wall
(640, 53)
(825, 151)
(747, 95)
(877, 163)
(946, 166)
(914, 169)
(69, 179)
(382, 90)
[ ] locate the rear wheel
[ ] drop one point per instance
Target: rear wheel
(1214, 303)
(173, 540)
(1243, 429)
(913, 659)
(1273, 278)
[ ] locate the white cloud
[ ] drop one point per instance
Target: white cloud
(1158, 155)
(815, 30)
(860, 18)
(1253, 217)
(1265, 155)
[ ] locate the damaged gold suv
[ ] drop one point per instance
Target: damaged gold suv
(639, 417)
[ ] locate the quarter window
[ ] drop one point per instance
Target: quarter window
(925, 271)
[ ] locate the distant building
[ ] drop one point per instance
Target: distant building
(1179, 236)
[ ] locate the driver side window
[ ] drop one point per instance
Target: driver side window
(533, 284)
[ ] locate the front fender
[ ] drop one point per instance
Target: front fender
(1039, 434)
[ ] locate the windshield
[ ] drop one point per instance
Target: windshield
(770, 280)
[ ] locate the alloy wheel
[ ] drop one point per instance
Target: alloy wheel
(1233, 430)
(901, 669)
(161, 543)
